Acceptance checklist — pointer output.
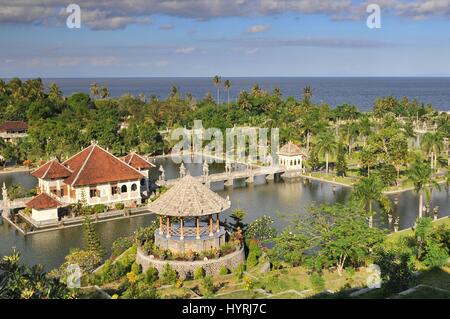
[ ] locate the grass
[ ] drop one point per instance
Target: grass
(391, 238)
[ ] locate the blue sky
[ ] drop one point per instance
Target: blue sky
(227, 37)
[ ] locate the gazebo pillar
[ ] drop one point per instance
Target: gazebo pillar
(217, 223)
(181, 228)
(197, 221)
(160, 224)
(168, 227)
(210, 226)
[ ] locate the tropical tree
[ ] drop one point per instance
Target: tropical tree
(18, 281)
(432, 144)
(217, 82)
(227, 86)
(95, 90)
(307, 95)
(420, 174)
(326, 145)
(369, 190)
(55, 93)
(104, 92)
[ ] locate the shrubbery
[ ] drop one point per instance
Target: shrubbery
(199, 273)
(119, 206)
(120, 245)
(168, 276)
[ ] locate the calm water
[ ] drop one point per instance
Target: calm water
(277, 198)
(333, 90)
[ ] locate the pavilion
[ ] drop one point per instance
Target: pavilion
(186, 217)
(291, 157)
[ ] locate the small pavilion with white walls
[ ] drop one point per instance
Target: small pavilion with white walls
(291, 157)
(189, 217)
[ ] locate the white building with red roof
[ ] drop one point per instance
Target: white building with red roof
(97, 176)
(44, 208)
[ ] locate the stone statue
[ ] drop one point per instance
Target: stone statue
(163, 175)
(182, 170)
(205, 168)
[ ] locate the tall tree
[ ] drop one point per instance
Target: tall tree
(227, 86)
(307, 95)
(326, 145)
(217, 82)
(95, 90)
(432, 144)
(369, 190)
(420, 174)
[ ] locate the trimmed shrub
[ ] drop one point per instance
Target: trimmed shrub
(168, 276)
(151, 275)
(99, 208)
(136, 268)
(119, 206)
(199, 273)
(207, 286)
(239, 271)
(223, 271)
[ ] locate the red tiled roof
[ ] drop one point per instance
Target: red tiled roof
(94, 165)
(137, 161)
(13, 126)
(43, 201)
(52, 170)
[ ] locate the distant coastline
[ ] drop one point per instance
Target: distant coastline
(360, 91)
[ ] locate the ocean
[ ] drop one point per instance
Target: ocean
(360, 91)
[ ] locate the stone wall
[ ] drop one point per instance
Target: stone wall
(187, 268)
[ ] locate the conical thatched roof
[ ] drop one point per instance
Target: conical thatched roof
(188, 197)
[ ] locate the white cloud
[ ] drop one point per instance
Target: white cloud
(187, 50)
(116, 14)
(167, 26)
(258, 28)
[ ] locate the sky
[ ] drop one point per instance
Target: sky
(201, 38)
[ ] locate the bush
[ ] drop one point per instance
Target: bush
(99, 208)
(199, 273)
(435, 255)
(168, 276)
(207, 286)
(151, 275)
(119, 206)
(223, 271)
(145, 234)
(120, 245)
(254, 252)
(140, 290)
(396, 270)
(239, 271)
(317, 282)
(136, 268)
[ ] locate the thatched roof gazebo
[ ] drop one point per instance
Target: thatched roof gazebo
(187, 209)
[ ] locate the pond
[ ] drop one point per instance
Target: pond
(277, 198)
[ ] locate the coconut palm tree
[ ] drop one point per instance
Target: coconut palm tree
(420, 174)
(432, 144)
(326, 146)
(307, 95)
(104, 92)
(369, 190)
(95, 90)
(217, 82)
(227, 86)
(54, 92)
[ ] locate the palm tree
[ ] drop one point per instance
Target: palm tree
(369, 190)
(432, 144)
(307, 95)
(244, 101)
(447, 180)
(104, 92)
(54, 92)
(217, 81)
(174, 94)
(227, 86)
(2, 87)
(326, 145)
(95, 89)
(420, 174)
